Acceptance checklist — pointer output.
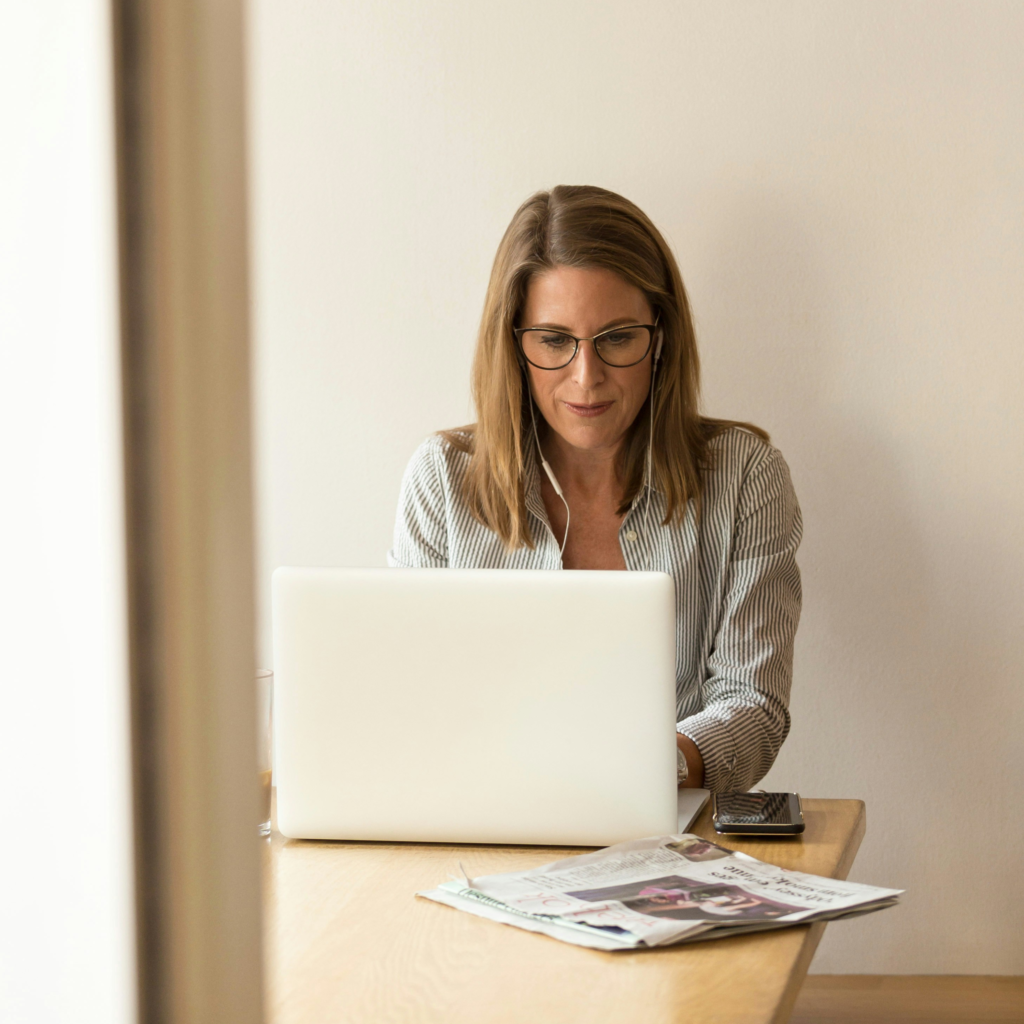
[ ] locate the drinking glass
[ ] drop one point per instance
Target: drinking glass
(264, 764)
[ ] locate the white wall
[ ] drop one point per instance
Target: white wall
(66, 937)
(843, 184)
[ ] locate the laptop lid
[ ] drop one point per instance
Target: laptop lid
(474, 706)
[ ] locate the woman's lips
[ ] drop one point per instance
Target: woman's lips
(588, 410)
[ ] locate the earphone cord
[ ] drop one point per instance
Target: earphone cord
(551, 477)
(647, 478)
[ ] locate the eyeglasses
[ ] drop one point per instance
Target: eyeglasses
(551, 350)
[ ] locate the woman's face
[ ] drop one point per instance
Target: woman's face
(589, 404)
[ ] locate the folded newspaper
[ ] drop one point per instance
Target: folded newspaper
(656, 892)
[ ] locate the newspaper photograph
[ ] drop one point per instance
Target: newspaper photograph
(656, 892)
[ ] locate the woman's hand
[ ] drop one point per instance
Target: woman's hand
(694, 762)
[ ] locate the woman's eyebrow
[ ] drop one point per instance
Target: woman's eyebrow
(607, 327)
(618, 322)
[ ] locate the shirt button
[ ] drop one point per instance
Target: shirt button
(631, 535)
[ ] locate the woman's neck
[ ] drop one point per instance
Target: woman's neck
(587, 473)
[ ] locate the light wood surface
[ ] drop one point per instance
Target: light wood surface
(183, 251)
(347, 941)
(902, 999)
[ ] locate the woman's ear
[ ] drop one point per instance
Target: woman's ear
(659, 334)
(520, 358)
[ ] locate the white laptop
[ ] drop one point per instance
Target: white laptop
(476, 706)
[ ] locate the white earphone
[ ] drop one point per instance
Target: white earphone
(650, 450)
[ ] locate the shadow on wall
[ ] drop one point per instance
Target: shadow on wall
(900, 691)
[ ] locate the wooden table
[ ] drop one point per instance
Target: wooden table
(347, 942)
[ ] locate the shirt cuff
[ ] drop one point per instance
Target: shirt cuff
(713, 739)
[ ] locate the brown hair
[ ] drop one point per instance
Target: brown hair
(582, 226)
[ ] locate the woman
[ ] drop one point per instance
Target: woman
(589, 453)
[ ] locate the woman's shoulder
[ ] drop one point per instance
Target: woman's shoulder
(442, 456)
(739, 453)
(456, 441)
(748, 486)
(737, 439)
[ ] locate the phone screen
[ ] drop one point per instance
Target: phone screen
(754, 809)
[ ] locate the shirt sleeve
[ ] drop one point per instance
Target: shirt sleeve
(421, 523)
(745, 709)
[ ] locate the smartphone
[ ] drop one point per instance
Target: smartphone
(765, 814)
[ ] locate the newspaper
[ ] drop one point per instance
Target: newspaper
(656, 892)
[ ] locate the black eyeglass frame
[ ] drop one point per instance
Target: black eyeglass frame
(651, 328)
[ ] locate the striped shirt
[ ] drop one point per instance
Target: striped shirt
(736, 580)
